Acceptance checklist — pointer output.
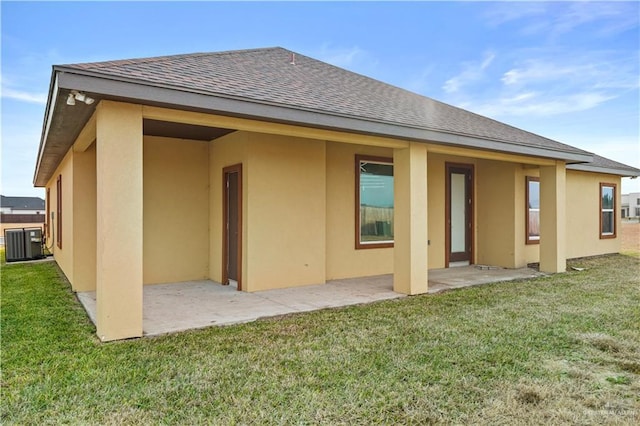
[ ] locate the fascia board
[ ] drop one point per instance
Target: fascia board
(605, 170)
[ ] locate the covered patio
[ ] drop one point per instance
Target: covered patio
(173, 307)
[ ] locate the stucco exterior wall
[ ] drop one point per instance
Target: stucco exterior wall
(343, 260)
(298, 224)
(175, 210)
(435, 217)
(223, 152)
(84, 219)
(285, 184)
(496, 213)
(64, 255)
(583, 214)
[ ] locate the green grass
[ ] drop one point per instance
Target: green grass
(558, 349)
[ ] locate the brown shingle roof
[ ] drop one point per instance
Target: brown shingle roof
(268, 76)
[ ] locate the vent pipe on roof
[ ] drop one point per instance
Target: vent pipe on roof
(293, 59)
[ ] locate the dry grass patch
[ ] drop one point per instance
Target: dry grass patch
(630, 238)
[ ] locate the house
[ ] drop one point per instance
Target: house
(20, 212)
(271, 169)
(21, 205)
(630, 205)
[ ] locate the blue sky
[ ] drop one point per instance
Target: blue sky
(565, 70)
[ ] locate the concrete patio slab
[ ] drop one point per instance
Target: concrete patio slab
(466, 276)
(168, 308)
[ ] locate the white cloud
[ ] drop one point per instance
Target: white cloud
(545, 83)
(558, 18)
(19, 95)
(506, 12)
(596, 71)
(536, 71)
(341, 57)
(472, 72)
(533, 104)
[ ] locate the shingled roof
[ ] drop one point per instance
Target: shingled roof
(605, 165)
(22, 203)
(275, 84)
(278, 76)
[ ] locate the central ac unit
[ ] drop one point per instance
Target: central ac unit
(23, 244)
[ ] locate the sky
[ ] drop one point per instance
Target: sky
(568, 71)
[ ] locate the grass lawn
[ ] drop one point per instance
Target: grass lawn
(558, 349)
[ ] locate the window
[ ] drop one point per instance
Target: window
(47, 219)
(374, 202)
(637, 211)
(58, 230)
(532, 211)
(607, 210)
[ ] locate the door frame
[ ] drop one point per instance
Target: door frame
(236, 168)
(468, 169)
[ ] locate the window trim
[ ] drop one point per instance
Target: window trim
(47, 219)
(527, 239)
(58, 231)
(600, 211)
(368, 245)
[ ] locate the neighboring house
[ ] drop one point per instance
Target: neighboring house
(630, 205)
(20, 212)
(21, 205)
(275, 170)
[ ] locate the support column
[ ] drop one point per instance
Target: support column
(119, 221)
(553, 218)
(410, 274)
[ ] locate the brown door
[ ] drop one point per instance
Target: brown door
(459, 213)
(232, 225)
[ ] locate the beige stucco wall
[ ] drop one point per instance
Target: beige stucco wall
(436, 212)
(226, 151)
(84, 219)
(496, 213)
(64, 255)
(175, 210)
(583, 215)
(343, 260)
(299, 211)
(285, 184)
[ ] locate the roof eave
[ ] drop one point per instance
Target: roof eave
(46, 124)
(606, 170)
(65, 78)
(90, 82)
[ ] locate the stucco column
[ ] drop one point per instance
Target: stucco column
(119, 221)
(410, 274)
(553, 218)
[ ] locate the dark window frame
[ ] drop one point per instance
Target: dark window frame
(47, 219)
(527, 209)
(358, 243)
(58, 230)
(607, 235)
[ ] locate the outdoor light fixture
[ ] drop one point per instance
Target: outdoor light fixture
(79, 96)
